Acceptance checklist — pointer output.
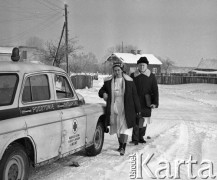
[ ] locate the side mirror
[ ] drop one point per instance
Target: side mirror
(81, 100)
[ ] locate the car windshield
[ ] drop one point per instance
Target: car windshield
(8, 85)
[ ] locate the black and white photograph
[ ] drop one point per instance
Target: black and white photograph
(108, 89)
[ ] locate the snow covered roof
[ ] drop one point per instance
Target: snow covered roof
(6, 50)
(207, 64)
(176, 69)
(130, 58)
(204, 72)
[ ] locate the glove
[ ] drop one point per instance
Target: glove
(153, 106)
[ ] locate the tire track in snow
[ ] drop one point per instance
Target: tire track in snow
(186, 141)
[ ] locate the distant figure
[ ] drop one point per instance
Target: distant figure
(15, 54)
(147, 89)
(122, 105)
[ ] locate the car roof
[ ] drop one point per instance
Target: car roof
(26, 67)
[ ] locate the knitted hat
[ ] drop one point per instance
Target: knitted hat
(143, 60)
(118, 64)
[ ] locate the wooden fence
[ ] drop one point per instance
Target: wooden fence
(185, 79)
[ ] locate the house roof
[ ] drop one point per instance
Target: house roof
(129, 58)
(176, 69)
(204, 72)
(6, 50)
(207, 64)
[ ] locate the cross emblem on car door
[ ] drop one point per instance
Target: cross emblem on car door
(74, 126)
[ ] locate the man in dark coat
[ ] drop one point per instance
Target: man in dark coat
(122, 104)
(147, 90)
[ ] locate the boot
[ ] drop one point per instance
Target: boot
(141, 134)
(143, 141)
(122, 151)
(120, 145)
(135, 135)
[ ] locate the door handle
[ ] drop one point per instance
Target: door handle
(60, 105)
(26, 111)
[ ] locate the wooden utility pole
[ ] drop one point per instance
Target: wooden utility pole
(66, 38)
(122, 46)
(55, 59)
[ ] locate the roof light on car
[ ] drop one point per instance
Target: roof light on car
(15, 54)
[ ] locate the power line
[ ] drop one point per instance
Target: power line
(16, 9)
(51, 3)
(25, 18)
(24, 14)
(42, 2)
(37, 27)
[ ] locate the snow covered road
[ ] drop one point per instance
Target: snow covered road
(184, 126)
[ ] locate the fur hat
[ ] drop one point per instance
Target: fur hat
(118, 64)
(143, 60)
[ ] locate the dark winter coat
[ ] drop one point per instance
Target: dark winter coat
(131, 100)
(146, 85)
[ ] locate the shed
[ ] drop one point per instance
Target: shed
(206, 66)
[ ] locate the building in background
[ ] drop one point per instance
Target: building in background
(5, 53)
(28, 54)
(206, 67)
(130, 61)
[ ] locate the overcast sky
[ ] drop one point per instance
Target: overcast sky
(183, 30)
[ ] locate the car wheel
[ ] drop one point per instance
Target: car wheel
(98, 141)
(14, 164)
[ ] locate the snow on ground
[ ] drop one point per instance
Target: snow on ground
(184, 126)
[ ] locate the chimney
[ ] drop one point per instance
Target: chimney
(133, 52)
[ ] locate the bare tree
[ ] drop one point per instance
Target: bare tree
(84, 63)
(50, 53)
(167, 64)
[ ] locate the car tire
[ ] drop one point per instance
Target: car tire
(98, 141)
(14, 163)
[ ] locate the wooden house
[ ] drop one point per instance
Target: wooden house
(130, 61)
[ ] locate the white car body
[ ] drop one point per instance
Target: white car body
(47, 129)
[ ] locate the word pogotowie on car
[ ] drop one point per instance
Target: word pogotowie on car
(42, 118)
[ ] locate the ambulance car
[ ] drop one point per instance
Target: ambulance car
(43, 119)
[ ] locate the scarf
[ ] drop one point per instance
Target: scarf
(112, 116)
(147, 72)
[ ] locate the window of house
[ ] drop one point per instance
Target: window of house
(154, 70)
(63, 89)
(36, 89)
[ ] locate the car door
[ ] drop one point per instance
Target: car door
(73, 116)
(38, 108)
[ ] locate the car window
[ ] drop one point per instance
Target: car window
(8, 86)
(36, 89)
(63, 89)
